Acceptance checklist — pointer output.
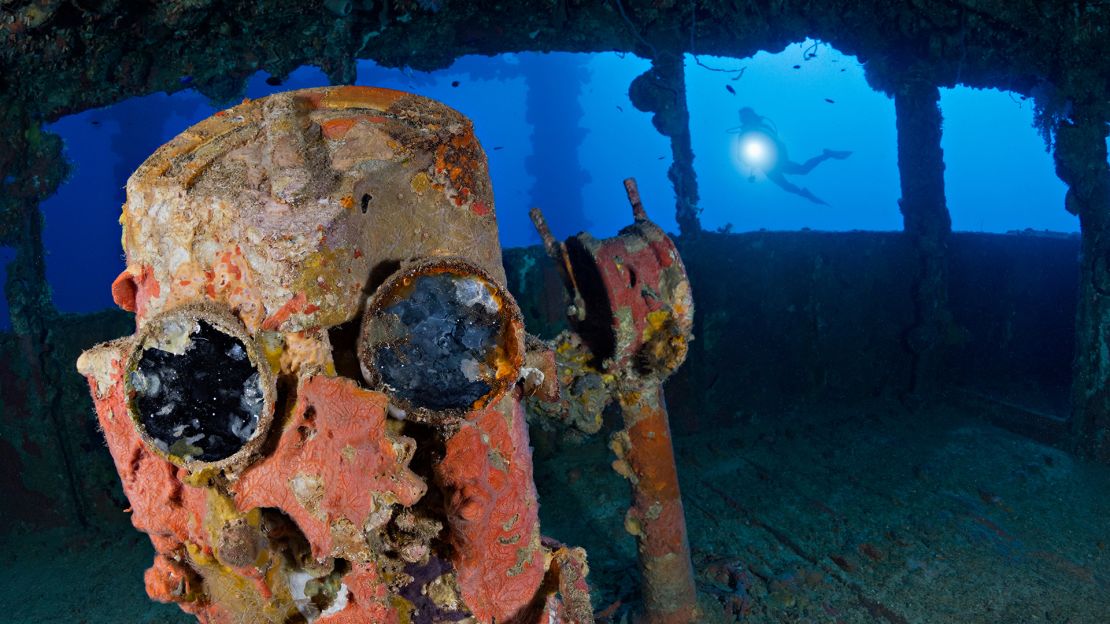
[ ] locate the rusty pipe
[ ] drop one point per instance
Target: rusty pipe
(645, 456)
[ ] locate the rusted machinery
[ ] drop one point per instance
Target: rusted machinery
(319, 418)
(631, 314)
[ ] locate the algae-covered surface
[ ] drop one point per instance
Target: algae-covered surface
(876, 513)
(75, 578)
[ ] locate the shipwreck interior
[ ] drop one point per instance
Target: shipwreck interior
(897, 427)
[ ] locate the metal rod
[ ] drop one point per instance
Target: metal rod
(633, 191)
(558, 252)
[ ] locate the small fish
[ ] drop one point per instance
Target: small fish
(830, 101)
(662, 157)
(95, 122)
(730, 89)
(620, 109)
(797, 67)
(454, 83)
(499, 147)
(273, 81)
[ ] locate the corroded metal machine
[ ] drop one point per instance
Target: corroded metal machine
(632, 317)
(319, 418)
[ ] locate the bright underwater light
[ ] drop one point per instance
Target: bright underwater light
(757, 150)
(754, 151)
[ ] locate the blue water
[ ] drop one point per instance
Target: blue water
(561, 133)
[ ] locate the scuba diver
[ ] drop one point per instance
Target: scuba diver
(761, 149)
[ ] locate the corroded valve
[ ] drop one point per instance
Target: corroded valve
(632, 314)
(632, 298)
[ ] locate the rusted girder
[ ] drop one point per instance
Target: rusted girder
(926, 222)
(662, 91)
(1080, 153)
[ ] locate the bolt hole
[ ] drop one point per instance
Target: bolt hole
(305, 433)
(366, 198)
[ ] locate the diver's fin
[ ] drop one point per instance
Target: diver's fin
(790, 187)
(806, 193)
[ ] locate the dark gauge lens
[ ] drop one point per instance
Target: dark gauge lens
(196, 392)
(442, 350)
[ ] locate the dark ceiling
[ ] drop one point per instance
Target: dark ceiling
(62, 56)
